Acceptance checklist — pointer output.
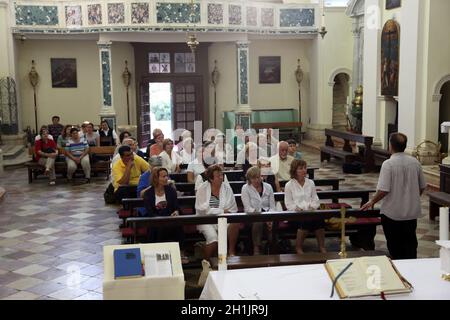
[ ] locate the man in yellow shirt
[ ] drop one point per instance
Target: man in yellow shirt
(126, 173)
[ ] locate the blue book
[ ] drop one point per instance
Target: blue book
(127, 263)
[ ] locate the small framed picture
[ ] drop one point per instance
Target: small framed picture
(269, 69)
(153, 57)
(392, 4)
(165, 68)
(164, 57)
(64, 72)
(154, 68)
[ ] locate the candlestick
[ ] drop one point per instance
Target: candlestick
(222, 250)
(443, 224)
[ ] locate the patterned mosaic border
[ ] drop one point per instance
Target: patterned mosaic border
(168, 15)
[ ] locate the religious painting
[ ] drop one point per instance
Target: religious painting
(64, 72)
(116, 13)
(392, 4)
(94, 14)
(269, 69)
(390, 54)
(139, 13)
(73, 16)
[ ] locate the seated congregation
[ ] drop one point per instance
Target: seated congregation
(163, 203)
(184, 180)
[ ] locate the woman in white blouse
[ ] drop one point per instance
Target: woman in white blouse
(170, 159)
(257, 196)
(300, 195)
(187, 154)
(216, 197)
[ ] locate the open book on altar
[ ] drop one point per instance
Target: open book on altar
(366, 276)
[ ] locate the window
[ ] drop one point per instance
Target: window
(185, 62)
(159, 62)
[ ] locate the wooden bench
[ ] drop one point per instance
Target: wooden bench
(281, 125)
(237, 185)
(139, 222)
(276, 260)
(347, 154)
(232, 175)
(97, 166)
(361, 232)
(437, 200)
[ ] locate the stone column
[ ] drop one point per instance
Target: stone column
(356, 81)
(107, 109)
(243, 110)
(371, 80)
(411, 71)
(4, 40)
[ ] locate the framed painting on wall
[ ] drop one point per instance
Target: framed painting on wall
(269, 69)
(392, 4)
(390, 58)
(64, 72)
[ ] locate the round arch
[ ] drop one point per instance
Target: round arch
(438, 87)
(338, 71)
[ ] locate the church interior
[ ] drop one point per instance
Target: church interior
(336, 80)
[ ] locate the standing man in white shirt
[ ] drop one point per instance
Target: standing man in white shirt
(400, 185)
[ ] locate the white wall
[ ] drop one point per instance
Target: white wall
(74, 105)
(438, 64)
(327, 55)
(261, 96)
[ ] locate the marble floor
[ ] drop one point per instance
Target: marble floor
(51, 238)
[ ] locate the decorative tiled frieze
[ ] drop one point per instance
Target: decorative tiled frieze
(242, 48)
(80, 16)
(296, 17)
(73, 16)
(94, 14)
(252, 16)
(177, 12)
(37, 15)
(215, 13)
(139, 13)
(267, 17)
(105, 60)
(234, 14)
(116, 13)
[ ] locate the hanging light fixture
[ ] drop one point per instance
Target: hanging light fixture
(192, 41)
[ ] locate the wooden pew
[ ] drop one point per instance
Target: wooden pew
(276, 260)
(232, 175)
(237, 185)
(102, 166)
(334, 195)
(363, 230)
(260, 261)
(347, 153)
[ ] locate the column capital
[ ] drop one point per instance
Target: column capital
(4, 3)
(437, 97)
(104, 44)
(242, 44)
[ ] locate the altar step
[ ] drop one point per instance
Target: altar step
(14, 155)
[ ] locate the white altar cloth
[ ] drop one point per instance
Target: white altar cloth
(311, 282)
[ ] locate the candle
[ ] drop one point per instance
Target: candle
(222, 235)
(443, 224)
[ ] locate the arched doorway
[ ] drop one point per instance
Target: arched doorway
(444, 114)
(340, 96)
